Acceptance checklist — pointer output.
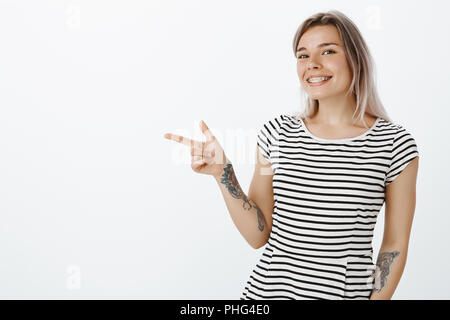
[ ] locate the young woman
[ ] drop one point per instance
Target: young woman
(321, 178)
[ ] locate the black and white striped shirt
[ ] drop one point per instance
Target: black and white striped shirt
(327, 193)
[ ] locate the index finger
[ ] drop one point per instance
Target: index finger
(175, 137)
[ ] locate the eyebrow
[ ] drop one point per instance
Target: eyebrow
(320, 45)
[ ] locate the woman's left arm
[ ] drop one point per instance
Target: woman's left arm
(399, 213)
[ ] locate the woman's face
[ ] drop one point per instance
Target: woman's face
(316, 59)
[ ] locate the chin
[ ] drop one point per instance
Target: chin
(319, 96)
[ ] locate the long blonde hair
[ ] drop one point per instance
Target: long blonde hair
(360, 62)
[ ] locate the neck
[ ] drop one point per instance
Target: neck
(336, 111)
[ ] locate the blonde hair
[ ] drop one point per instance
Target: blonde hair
(360, 62)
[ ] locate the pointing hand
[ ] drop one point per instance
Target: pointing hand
(207, 156)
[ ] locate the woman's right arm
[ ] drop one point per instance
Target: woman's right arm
(251, 214)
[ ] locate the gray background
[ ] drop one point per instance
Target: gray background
(96, 204)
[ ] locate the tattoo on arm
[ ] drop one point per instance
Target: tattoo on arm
(230, 181)
(384, 263)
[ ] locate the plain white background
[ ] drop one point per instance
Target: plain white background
(96, 204)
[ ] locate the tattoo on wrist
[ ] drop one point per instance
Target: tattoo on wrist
(230, 181)
(384, 264)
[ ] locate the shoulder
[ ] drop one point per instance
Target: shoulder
(394, 130)
(282, 119)
(279, 121)
(404, 150)
(387, 126)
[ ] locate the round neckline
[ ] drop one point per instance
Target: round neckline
(339, 140)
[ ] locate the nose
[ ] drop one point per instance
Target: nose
(312, 64)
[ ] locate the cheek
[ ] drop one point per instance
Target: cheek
(342, 67)
(340, 70)
(301, 70)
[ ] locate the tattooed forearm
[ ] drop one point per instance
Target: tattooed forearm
(230, 181)
(384, 263)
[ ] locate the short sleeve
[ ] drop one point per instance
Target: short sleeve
(404, 150)
(268, 135)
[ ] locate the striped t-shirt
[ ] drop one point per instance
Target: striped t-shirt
(327, 193)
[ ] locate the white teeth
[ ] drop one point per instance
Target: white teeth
(318, 79)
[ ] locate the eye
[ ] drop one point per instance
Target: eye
(300, 57)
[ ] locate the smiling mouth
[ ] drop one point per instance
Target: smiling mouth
(317, 81)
